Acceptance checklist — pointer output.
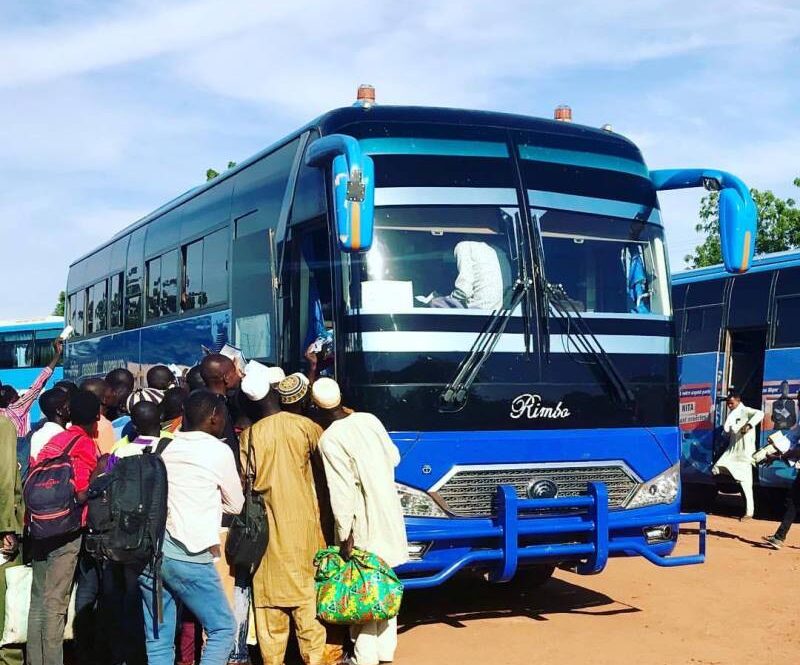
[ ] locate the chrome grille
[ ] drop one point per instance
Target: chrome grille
(470, 491)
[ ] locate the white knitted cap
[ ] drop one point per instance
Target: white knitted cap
(276, 375)
(326, 394)
(255, 384)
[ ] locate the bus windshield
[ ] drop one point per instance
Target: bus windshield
(605, 265)
(462, 259)
(440, 259)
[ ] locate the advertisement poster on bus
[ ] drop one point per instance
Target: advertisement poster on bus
(779, 400)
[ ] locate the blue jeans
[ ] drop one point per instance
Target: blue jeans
(198, 587)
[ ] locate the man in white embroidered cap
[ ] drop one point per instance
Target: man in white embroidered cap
(360, 458)
(281, 446)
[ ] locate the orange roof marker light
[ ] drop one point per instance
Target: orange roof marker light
(563, 113)
(365, 96)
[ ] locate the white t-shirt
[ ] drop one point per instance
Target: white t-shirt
(42, 436)
(203, 484)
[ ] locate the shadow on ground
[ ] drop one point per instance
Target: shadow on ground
(471, 599)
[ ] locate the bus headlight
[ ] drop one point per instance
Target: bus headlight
(416, 503)
(661, 489)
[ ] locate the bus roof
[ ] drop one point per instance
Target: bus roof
(39, 323)
(335, 120)
(763, 263)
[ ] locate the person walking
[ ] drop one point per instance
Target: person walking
(360, 458)
(791, 457)
(17, 409)
(203, 485)
(11, 516)
(55, 559)
(737, 460)
(281, 447)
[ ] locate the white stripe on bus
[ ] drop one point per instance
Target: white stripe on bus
(399, 341)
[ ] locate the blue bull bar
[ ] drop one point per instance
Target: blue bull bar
(592, 554)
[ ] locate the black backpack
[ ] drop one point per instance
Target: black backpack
(49, 494)
(128, 510)
(248, 534)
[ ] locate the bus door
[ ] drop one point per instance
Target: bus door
(745, 340)
(307, 297)
(744, 364)
(254, 284)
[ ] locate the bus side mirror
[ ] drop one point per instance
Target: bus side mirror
(738, 221)
(353, 175)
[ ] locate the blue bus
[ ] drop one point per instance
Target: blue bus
(26, 348)
(497, 290)
(736, 332)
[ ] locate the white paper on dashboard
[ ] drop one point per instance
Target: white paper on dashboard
(387, 296)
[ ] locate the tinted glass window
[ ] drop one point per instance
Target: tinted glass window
(80, 301)
(787, 321)
(90, 326)
(702, 329)
(749, 300)
(788, 282)
(705, 293)
(43, 347)
(16, 349)
(153, 288)
(192, 294)
(261, 187)
(215, 267)
(72, 311)
(169, 283)
(134, 281)
(309, 194)
(101, 306)
(679, 316)
(115, 302)
(679, 296)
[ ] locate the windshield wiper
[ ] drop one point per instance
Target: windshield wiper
(454, 396)
(586, 342)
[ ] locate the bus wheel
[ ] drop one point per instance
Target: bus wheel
(532, 577)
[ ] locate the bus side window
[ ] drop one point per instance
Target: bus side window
(787, 308)
(703, 316)
(115, 302)
(43, 347)
(153, 287)
(134, 280)
(16, 349)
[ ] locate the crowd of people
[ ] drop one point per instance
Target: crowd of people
(325, 475)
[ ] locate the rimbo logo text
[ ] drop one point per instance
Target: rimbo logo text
(530, 406)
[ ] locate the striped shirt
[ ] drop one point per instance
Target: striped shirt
(18, 412)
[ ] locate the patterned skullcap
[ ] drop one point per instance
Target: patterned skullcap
(144, 395)
(292, 389)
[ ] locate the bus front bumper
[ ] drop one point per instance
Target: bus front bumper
(511, 540)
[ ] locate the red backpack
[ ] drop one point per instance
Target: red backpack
(49, 494)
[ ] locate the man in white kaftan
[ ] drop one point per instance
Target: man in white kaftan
(479, 284)
(737, 460)
(360, 458)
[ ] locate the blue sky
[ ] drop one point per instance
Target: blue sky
(110, 109)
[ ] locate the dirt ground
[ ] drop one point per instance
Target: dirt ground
(741, 606)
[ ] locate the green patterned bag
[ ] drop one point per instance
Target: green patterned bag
(358, 591)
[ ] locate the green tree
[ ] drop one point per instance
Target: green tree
(59, 310)
(778, 227)
(211, 173)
